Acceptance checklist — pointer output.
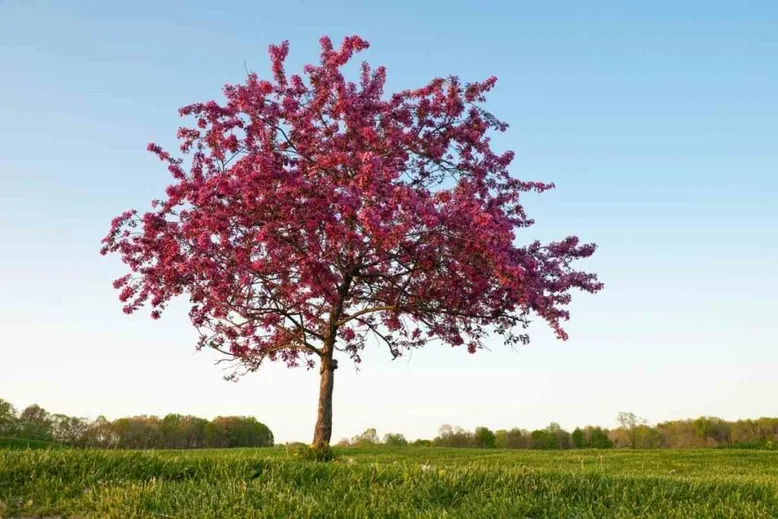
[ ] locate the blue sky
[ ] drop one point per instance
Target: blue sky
(658, 123)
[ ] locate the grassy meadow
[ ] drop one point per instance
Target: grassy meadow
(389, 482)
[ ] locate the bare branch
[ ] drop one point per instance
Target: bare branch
(366, 311)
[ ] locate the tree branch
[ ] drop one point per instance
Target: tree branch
(366, 311)
(395, 353)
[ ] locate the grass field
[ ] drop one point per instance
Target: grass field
(402, 482)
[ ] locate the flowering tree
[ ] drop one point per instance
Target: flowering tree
(314, 213)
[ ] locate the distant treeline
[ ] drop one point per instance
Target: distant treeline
(176, 431)
(173, 431)
(633, 432)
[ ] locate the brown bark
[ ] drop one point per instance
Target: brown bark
(323, 432)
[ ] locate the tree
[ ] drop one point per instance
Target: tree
(69, 430)
(578, 437)
(101, 433)
(138, 432)
(183, 432)
(174, 431)
(542, 439)
(173, 436)
(35, 423)
(629, 423)
(598, 438)
(712, 430)
(317, 213)
(453, 437)
(561, 437)
(501, 439)
(395, 440)
(517, 439)
(484, 438)
(8, 419)
(646, 437)
(367, 438)
(193, 430)
(552, 437)
(238, 431)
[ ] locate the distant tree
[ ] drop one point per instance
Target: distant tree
(597, 438)
(629, 423)
(222, 432)
(197, 429)
(367, 438)
(173, 431)
(590, 438)
(101, 434)
(484, 438)
(646, 437)
(552, 437)
(35, 423)
(138, 432)
(395, 440)
(561, 437)
(620, 438)
(579, 438)
(9, 422)
(542, 439)
(176, 431)
(678, 434)
(183, 431)
(453, 437)
(501, 439)
(70, 430)
(237, 431)
(344, 442)
(768, 429)
(518, 439)
(193, 430)
(317, 213)
(712, 430)
(745, 432)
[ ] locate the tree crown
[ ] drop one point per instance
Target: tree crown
(316, 212)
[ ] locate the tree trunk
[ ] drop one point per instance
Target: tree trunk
(323, 431)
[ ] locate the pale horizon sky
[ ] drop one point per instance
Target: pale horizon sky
(658, 123)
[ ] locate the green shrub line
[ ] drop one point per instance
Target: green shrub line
(23, 443)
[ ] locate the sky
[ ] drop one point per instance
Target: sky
(658, 122)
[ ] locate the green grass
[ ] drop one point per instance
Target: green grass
(402, 482)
